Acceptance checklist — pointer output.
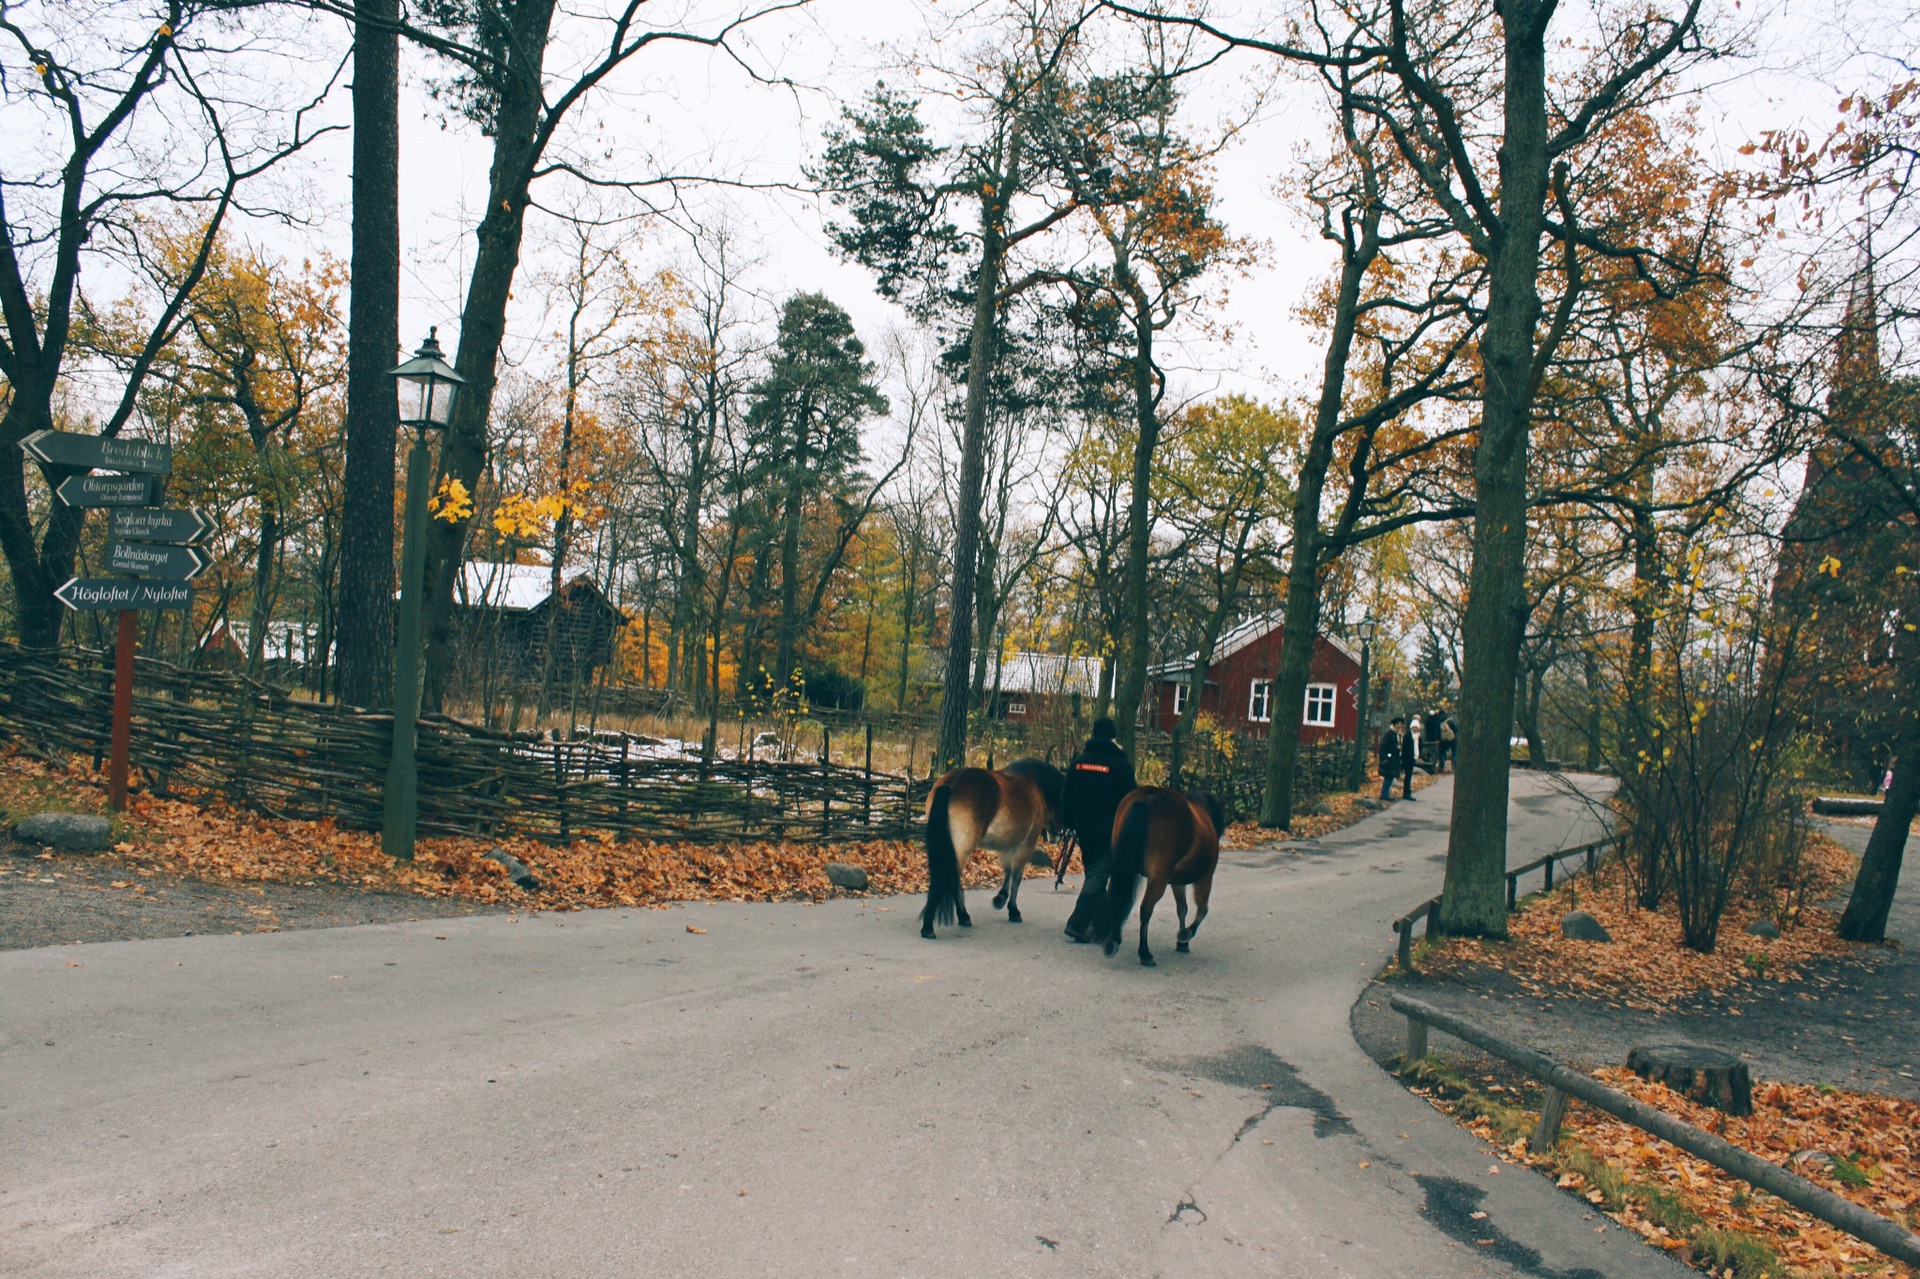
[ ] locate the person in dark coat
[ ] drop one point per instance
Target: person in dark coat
(1389, 751)
(1409, 760)
(1098, 778)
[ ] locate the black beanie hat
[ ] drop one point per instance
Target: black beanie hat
(1104, 727)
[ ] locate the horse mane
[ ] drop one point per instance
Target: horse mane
(1215, 810)
(1051, 781)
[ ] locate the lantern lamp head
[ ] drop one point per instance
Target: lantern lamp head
(427, 386)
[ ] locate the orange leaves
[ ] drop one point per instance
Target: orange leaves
(1647, 967)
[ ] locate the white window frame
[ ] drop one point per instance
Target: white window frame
(1016, 708)
(1181, 691)
(1327, 701)
(1260, 702)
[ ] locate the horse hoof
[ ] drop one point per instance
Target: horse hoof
(927, 933)
(1109, 949)
(1013, 917)
(1000, 899)
(966, 921)
(1146, 961)
(1182, 948)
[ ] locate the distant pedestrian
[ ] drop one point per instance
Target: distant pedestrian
(1389, 751)
(1417, 730)
(1886, 785)
(1409, 760)
(1449, 742)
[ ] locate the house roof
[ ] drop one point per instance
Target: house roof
(1237, 638)
(1048, 673)
(515, 588)
(510, 587)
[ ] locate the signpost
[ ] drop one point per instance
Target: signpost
(162, 524)
(153, 559)
(106, 594)
(97, 452)
(153, 543)
(106, 490)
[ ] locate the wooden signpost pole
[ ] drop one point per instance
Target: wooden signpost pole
(122, 711)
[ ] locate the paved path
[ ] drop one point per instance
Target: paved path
(797, 1091)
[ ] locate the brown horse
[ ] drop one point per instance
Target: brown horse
(1007, 810)
(1171, 838)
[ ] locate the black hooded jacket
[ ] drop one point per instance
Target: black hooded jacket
(1098, 778)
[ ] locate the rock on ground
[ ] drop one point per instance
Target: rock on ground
(843, 875)
(75, 832)
(1581, 926)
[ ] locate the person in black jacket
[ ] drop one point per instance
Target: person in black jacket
(1390, 761)
(1098, 778)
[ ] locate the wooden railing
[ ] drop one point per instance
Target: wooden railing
(1870, 1227)
(1430, 909)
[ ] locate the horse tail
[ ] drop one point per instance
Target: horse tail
(943, 863)
(1129, 859)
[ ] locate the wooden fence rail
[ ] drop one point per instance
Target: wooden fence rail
(1870, 1227)
(1430, 909)
(261, 749)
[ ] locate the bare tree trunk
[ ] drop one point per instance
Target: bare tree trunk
(1133, 675)
(365, 623)
(1873, 889)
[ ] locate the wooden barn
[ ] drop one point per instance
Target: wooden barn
(1239, 685)
(503, 615)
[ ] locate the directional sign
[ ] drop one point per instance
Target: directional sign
(96, 452)
(106, 490)
(149, 559)
(161, 524)
(105, 594)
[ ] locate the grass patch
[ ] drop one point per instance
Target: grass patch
(1665, 1208)
(1597, 1173)
(1849, 1173)
(1743, 1254)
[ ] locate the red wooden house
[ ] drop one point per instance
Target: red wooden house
(1239, 685)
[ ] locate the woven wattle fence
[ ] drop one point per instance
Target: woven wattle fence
(216, 733)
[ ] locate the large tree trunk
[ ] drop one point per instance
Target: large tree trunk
(262, 612)
(950, 748)
(1873, 889)
(1302, 619)
(1133, 675)
(38, 570)
(1474, 899)
(483, 323)
(786, 640)
(365, 624)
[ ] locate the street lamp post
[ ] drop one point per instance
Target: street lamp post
(1357, 772)
(427, 386)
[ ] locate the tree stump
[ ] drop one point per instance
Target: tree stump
(1706, 1075)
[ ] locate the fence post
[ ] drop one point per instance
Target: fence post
(1433, 919)
(1405, 928)
(560, 787)
(1549, 887)
(1416, 1042)
(1552, 1111)
(626, 780)
(1591, 849)
(1513, 892)
(866, 792)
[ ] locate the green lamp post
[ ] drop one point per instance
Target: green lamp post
(427, 386)
(1357, 772)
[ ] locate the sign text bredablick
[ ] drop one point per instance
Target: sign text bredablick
(156, 559)
(161, 524)
(106, 490)
(103, 594)
(69, 448)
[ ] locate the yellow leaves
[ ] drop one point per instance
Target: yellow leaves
(1830, 565)
(452, 503)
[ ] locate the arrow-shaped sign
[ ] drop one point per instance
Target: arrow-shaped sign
(104, 594)
(97, 452)
(106, 490)
(161, 524)
(150, 559)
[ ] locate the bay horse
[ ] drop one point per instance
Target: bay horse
(1171, 838)
(1005, 810)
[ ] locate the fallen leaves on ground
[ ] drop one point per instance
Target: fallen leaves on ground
(1864, 1147)
(1646, 966)
(1346, 810)
(214, 842)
